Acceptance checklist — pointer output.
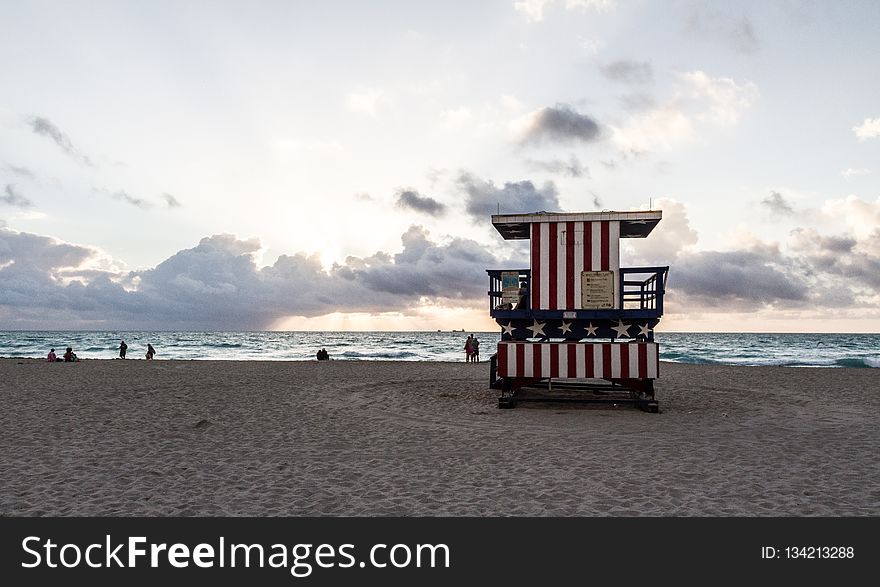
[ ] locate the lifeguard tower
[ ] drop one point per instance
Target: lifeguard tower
(576, 324)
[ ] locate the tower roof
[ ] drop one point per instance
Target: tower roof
(632, 224)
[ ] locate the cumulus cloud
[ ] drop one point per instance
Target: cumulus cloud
(658, 128)
(32, 279)
(837, 255)
(628, 71)
(735, 280)
(170, 201)
(697, 99)
(726, 99)
(860, 218)
(218, 285)
(411, 199)
(748, 279)
(809, 272)
(672, 236)
(869, 129)
(13, 197)
(483, 198)
(560, 123)
(777, 204)
(47, 128)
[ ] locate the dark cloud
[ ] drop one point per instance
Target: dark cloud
(45, 127)
(777, 204)
(425, 269)
(217, 284)
(712, 22)
(413, 200)
(572, 168)
(483, 198)
(630, 72)
(839, 256)
(32, 252)
(170, 200)
(561, 123)
(13, 197)
(736, 280)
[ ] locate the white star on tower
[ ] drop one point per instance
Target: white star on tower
(507, 329)
(591, 330)
(565, 328)
(622, 329)
(644, 330)
(537, 329)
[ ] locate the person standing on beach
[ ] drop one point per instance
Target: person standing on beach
(475, 349)
(468, 349)
(122, 349)
(150, 352)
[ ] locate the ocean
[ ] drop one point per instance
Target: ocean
(795, 350)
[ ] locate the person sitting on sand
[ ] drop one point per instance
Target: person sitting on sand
(122, 349)
(70, 356)
(150, 352)
(51, 357)
(323, 355)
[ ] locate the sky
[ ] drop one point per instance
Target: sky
(334, 165)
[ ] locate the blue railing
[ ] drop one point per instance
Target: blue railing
(645, 292)
(497, 300)
(639, 289)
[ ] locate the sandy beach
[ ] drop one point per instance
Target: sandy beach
(236, 438)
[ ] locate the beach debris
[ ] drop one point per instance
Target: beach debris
(202, 423)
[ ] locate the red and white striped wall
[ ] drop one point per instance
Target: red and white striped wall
(578, 360)
(560, 251)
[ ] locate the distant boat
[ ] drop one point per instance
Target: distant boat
(462, 330)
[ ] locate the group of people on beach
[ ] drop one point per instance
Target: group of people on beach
(68, 357)
(472, 349)
(323, 355)
(123, 349)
